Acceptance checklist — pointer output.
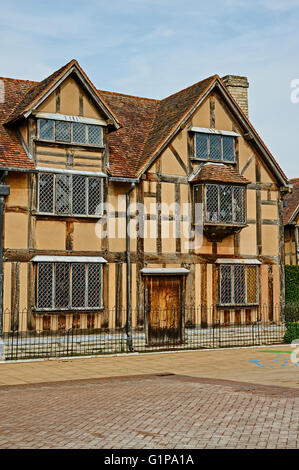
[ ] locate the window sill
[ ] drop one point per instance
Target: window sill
(71, 311)
(63, 216)
(69, 144)
(203, 160)
(237, 306)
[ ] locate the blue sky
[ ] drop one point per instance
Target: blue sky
(154, 48)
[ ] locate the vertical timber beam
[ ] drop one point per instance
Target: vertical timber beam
(258, 211)
(281, 255)
(140, 261)
(212, 113)
(4, 191)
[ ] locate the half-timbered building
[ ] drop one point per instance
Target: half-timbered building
(66, 147)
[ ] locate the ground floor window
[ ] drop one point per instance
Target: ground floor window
(68, 286)
(238, 284)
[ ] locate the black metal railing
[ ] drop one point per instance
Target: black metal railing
(29, 336)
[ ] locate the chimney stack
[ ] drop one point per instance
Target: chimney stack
(238, 88)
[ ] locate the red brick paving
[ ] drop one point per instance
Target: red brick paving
(150, 412)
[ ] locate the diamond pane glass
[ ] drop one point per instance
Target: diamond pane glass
(62, 285)
(46, 129)
(44, 285)
(239, 204)
(62, 194)
(94, 195)
(228, 144)
(226, 204)
(46, 193)
(79, 195)
(212, 203)
(79, 133)
(201, 146)
(78, 284)
(239, 284)
(94, 285)
(63, 131)
(215, 147)
(94, 134)
(225, 284)
(251, 284)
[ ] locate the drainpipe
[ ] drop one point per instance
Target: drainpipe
(128, 259)
(4, 191)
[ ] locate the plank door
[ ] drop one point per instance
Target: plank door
(164, 309)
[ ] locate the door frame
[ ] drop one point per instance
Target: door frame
(182, 272)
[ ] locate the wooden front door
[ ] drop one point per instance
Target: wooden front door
(164, 309)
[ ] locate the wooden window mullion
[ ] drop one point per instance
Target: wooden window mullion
(86, 285)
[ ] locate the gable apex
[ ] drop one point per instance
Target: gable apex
(38, 93)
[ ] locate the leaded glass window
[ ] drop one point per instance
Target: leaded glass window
(215, 147)
(225, 203)
(94, 135)
(238, 284)
(46, 193)
(62, 205)
(71, 132)
(201, 146)
(69, 286)
(46, 129)
(44, 285)
(79, 195)
(62, 194)
(63, 131)
(228, 148)
(79, 133)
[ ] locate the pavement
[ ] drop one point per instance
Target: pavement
(237, 398)
(229, 364)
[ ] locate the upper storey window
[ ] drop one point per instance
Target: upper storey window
(214, 145)
(70, 132)
(76, 195)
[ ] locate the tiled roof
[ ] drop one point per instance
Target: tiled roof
(147, 124)
(126, 144)
(12, 153)
(172, 110)
(291, 201)
(218, 173)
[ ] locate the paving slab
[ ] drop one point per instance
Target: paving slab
(259, 365)
(148, 412)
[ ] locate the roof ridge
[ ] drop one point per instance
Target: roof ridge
(116, 93)
(19, 80)
(190, 86)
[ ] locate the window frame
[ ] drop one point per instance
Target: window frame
(209, 148)
(232, 302)
(71, 141)
(234, 217)
(69, 307)
(54, 193)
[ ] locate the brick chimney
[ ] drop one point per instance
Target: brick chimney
(238, 87)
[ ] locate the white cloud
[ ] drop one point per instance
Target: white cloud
(156, 47)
